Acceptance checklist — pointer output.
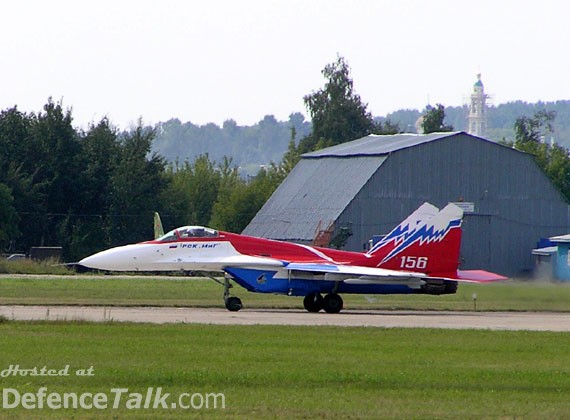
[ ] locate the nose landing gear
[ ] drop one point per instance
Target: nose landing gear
(233, 303)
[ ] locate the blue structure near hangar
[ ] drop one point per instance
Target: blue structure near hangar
(553, 261)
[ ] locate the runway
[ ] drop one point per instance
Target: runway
(515, 321)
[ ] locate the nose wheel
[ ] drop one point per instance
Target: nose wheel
(233, 303)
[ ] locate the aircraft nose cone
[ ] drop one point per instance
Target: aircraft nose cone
(97, 261)
(114, 259)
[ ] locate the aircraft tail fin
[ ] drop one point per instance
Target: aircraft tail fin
(427, 241)
(424, 213)
(158, 230)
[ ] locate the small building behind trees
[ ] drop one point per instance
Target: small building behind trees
(346, 194)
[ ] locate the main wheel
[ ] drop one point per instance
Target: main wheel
(233, 304)
(313, 302)
(332, 303)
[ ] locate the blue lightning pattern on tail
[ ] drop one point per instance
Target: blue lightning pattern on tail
(405, 236)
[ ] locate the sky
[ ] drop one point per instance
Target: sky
(210, 61)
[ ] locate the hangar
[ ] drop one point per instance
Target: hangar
(348, 193)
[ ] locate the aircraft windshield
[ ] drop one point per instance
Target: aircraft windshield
(197, 232)
(188, 232)
(168, 237)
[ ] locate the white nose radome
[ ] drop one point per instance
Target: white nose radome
(122, 258)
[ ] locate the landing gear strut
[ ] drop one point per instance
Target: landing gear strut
(331, 303)
(233, 303)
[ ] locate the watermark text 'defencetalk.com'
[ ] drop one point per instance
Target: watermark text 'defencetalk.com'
(114, 398)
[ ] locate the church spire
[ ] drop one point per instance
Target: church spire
(478, 109)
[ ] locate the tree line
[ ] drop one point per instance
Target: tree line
(268, 139)
(501, 119)
(249, 146)
(88, 190)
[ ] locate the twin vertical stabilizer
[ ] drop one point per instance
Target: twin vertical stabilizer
(428, 241)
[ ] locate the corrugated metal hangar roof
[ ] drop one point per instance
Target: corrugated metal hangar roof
(314, 194)
(373, 144)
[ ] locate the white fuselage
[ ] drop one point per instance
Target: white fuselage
(162, 257)
(173, 256)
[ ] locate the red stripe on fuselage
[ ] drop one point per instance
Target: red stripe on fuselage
(288, 251)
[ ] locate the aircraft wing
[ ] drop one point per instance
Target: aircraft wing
(355, 274)
(374, 275)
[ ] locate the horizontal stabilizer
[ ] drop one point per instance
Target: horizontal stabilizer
(479, 276)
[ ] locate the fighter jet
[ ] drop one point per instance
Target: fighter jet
(420, 255)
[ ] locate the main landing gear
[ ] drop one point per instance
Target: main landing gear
(313, 302)
(331, 303)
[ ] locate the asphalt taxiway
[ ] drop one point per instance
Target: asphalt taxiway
(516, 321)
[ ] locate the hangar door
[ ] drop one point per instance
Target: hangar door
(476, 244)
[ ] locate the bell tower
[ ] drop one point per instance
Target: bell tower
(478, 109)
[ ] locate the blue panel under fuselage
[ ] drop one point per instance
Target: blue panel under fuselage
(264, 281)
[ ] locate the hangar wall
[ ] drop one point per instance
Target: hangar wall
(515, 203)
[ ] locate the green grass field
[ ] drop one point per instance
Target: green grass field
(290, 372)
(197, 292)
(299, 372)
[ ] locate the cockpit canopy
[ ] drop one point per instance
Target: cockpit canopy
(188, 232)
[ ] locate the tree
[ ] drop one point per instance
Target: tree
(433, 120)
(89, 228)
(291, 157)
(246, 198)
(385, 127)
(338, 114)
(193, 190)
(54, 150)
(135, 187)
(8, 219)
(100, 147)
(230, 182)
(17, 167)
(553, 159)
(533, 129)
(15, 141)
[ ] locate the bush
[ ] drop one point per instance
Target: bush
(28, 266)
